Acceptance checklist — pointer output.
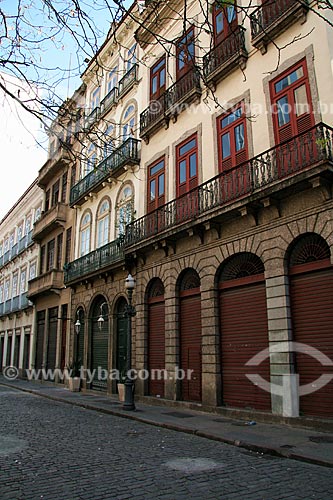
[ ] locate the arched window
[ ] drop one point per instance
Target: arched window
(128, 123)
(103, 223)
(91, 160)
(108, 140)
(85, 229)
(125, 208)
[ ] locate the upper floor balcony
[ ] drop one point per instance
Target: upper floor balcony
(109, 100)
(172, 102)
(16, 249)
(225, 57)
(49, 282)
(15, 304)
(127, 81)
(292, 166)
(273, 18)
(61, 156)
(112, 166)
(97, 260)
(53, 218)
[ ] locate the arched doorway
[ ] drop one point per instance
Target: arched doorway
(311, 300)
(190, 334)
(156, 337)
(244, 330)
(99, 344)
(121, 338)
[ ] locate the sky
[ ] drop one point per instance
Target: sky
(20, 132)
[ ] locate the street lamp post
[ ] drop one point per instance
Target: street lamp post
(130, 312)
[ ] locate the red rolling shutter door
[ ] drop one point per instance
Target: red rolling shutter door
(190, 342)
(311, 296)
(244, 333)
(156, 343)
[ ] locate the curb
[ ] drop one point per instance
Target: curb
(178, 428)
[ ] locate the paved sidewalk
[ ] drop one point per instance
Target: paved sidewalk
(277, 439)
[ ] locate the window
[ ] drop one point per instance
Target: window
(111, 79)
(185, 53)
(291, 103)
(7, 287)
(1, 250)
(124, 210)
(64, 187)
(32, 270)
(156, 185)
(232, 141)
(68, 245)
(47, 200)
(23, 281)
(50, 255)
(14, 287)
(95, 98)
(92, 159)
(187, 165)
(11, 240)
(42, 259)
(128, 122)
(1, 293)
(73, 175)
(131, 58)
(224, 21)
(108, 141)
(6, 245)
(157, 79)
(55, 193)
(28, 225)
(103, 223)
(59, 251)
(85, 234)
(38, 213)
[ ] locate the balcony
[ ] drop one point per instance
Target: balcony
(98, 260)
(272, 18)
(92, 117)
(59, 158)
(225, 57)
(174, 100)
(15, 304)
(109, 100)
(127, 81)
(46, 283)
(285, 168)
(53, 218)
(115, 164)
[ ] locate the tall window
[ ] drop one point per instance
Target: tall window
(85, 234)
(103, 223)
(42, 259)
(95, 98)
(68, 245)
(50, 255)
(108, 141)
(32, 270)
(7, 287)
(157, 79)
(92, 159)
(128, 122)
(224, 21)
(28, 225)
(23, 281)
(1, 293)
(156, 185)
(111, 80)
(38, 214)
(64, 187)
(130, 58)
(232, 141)
(59, 251)
(185, 53)
(124, 210)
(6, 245)
(55, 193)
(47, 200)
(15, 283)
(11, 240)
(20, 232)
(291, 103)
(187, 165)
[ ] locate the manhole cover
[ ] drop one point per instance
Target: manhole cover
(11, 444)
(321, 439)
(178, 414)
(193, 465)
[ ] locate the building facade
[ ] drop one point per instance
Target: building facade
(19, 262)
(204, 169)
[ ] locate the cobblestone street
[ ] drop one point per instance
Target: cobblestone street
(56, 451)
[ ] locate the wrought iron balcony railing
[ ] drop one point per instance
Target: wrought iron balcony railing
(109, 100)
(92, 117)
(172, 102)
(94, 261)
(273, 17)
(125, 84)
(251, 177)
(226, 56)
(126, 154)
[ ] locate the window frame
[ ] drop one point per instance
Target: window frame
(190, 181)
(182, 45)
(231, 160)
(228, 27)
(157, 73)
(159, 200)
